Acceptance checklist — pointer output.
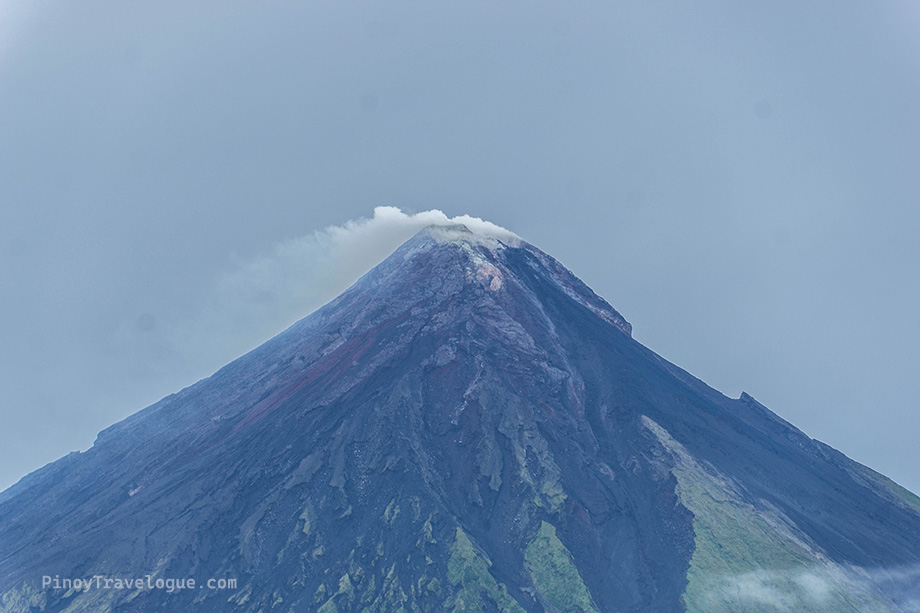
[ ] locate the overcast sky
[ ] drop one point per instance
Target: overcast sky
(740, 180)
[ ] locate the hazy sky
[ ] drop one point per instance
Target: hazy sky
(740, 180)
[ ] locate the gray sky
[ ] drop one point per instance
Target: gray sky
(742, 182)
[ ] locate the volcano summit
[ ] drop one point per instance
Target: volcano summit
(467, 428)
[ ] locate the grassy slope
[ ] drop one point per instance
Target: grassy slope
(749, 558)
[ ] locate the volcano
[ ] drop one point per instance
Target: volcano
(467, 428)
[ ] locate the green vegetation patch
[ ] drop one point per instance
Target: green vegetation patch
(554, 574)
(24, 597)
(307, 522)
(390, 513)
(478, 590)
(345, 595)
(747, 558)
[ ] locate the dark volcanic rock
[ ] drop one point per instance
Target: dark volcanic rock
(470, 428)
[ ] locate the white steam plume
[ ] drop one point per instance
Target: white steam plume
(263, 296)
(300, 275)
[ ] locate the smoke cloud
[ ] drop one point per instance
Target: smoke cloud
(260, 297)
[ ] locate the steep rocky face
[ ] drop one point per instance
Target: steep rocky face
(469, 428)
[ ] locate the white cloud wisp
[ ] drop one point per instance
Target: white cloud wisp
(261, 297)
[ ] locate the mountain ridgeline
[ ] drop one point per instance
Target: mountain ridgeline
(467, 428)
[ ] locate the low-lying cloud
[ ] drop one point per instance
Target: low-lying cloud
(781, 590)
(805, 589)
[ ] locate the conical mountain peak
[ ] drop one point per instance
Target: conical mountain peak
(467, 428)
(443, 259)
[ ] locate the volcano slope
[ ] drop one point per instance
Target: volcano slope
(467, 428)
